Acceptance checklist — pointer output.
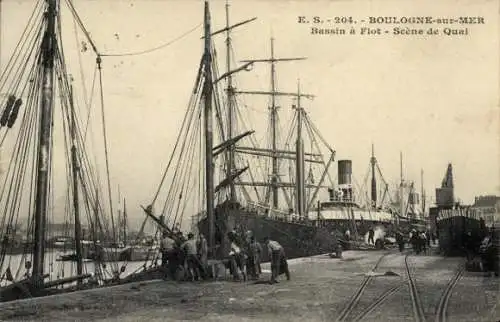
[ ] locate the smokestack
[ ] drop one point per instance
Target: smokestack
(344, 172)
(344, 179)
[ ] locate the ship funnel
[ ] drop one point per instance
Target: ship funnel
(344, 172)
(344, 180)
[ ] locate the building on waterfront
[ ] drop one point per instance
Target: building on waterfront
(489, 208)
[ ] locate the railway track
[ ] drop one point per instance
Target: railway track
(440, 313)
(387, 294)
(346, 312)
(442, 308)
(418, 309)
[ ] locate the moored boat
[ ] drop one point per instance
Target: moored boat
(37, 111)
(455, 222)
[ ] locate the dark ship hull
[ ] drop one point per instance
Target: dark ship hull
(453, 225)
(457, 225)
(298, 239)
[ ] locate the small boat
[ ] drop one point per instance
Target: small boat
(71, 258)
(61, 243)
(88, 250)
(143, 253)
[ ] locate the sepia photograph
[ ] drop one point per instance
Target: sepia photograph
(250, 160)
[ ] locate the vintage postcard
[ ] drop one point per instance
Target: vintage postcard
(237, 160)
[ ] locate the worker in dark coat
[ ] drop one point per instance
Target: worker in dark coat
(414, 241)
(400, 241)
(202, 248)
(371, 235)
(279, 263)
(254, 258)
(489, 253)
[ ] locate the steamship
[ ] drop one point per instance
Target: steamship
(232, 192)
(343, 211)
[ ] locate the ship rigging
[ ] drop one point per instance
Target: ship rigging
(41, 128)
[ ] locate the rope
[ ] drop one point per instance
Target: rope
(18, 163)
(147, 51)
(187, 141)
(25, 81)
(82, 26)
(312, 130)
(106, 154)
(142, 52)
(28, 45)
(196, 88)
(18, 160)
(14, 57)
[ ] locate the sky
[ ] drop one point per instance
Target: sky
(433, 98)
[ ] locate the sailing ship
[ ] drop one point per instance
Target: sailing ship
(229, 205)
(303, 218)
(245, 200)
(39, 123)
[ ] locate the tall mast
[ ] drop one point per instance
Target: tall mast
(274, 153)
(230, 107)
(76, 170)
(374, 182)
(119, 218)
(401, 186)
(274, 115)
(45, 139)
(124, 222)
(422, 192)
(300, 165)
(209, 180)
(98, 229)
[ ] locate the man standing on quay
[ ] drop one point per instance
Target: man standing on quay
(277, 256)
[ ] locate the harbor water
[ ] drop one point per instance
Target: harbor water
(56, 269)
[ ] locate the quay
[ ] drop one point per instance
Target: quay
(363, 285)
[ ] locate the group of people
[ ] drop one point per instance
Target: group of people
(244, 257)
(486, 246)
(420, 240)
(189, 253)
